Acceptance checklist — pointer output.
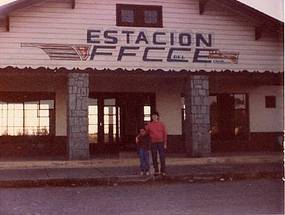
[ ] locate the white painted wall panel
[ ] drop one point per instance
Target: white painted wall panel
(266, 119)
(61, 106)
(55, 22)
(169, 106)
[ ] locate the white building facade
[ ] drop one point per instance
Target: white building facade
(79, 77)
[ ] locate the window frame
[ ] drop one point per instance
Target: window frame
(22, 98)
(147, 115)
(139, 15)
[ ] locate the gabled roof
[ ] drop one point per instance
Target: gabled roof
(10, 7)
(249, 12)
(254, 16)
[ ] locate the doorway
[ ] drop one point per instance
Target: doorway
(114, 119)
(229, 122)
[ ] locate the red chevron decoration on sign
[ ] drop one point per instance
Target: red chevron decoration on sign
(62, 52)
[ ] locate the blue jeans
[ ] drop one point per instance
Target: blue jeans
(158, 148)
(144, 160)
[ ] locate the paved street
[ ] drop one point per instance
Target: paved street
(235, 198)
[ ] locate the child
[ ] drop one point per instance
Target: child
(143, 143)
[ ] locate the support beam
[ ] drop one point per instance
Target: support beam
(188, 119)
(77, 116)
(197, 123)
(258, 32)
(202, 4)
(7, 23)
(73, 2)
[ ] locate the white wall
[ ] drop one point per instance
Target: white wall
(266, 119)
(169, 105)
(61, 107)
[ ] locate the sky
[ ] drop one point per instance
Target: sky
(274, 8)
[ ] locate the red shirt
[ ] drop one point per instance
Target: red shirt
(157, 132)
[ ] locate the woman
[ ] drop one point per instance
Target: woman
(158, 138)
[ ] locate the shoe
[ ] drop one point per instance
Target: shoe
(163, 174)
(147, 173)
(141, 173)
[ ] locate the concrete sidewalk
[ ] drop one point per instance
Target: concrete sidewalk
(125, 171)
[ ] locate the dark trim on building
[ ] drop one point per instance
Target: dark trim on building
(8, 23)
(47, 146)
(26, 96)
(202, 4)
(32, 146)
(73, 4)
(175, 144)
(261, 75)
(266, 141)
(258, 32)
(258, 142)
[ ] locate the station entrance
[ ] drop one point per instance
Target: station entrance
(229, 122)
(114, 120)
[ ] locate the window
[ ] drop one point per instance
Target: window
(110, 121)
(147, 113)
(270, 101)
(93, 120)
(139, 15)
(26, 118)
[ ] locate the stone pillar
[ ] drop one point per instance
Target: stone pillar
(197, 124)
(77, 116)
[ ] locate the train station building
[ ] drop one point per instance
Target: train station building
(79, 77)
